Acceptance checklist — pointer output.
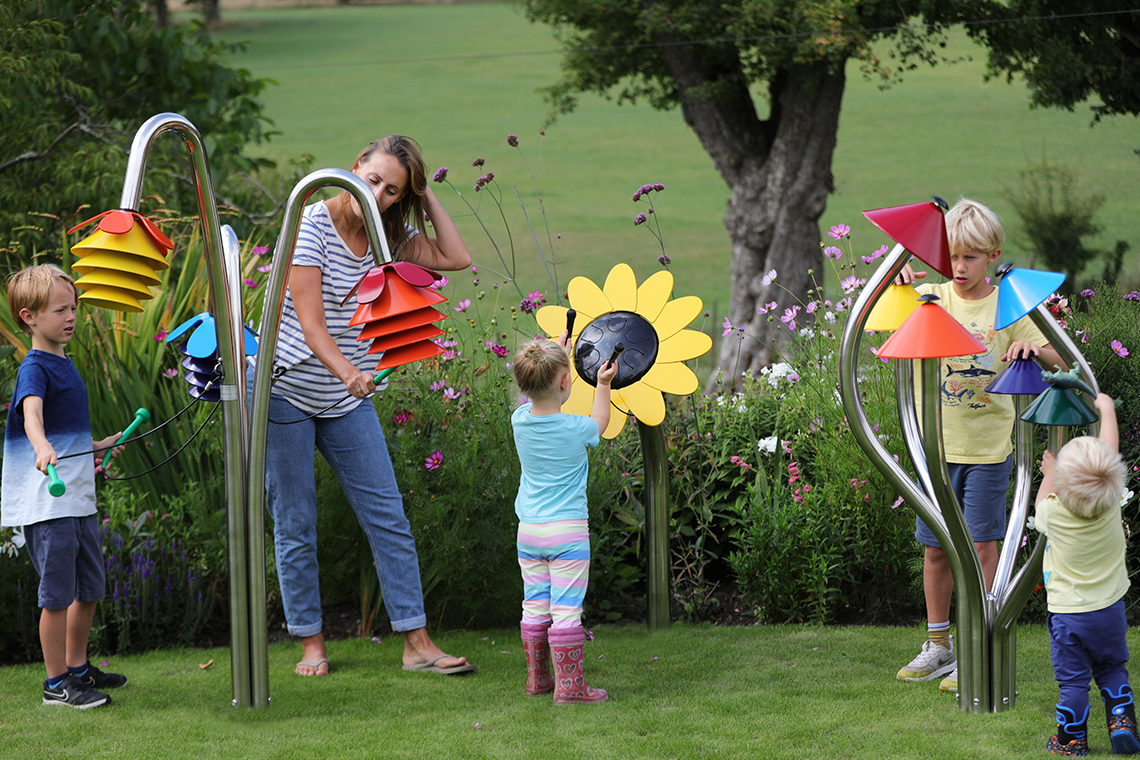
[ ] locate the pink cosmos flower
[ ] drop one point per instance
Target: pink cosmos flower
(1119, 348)
(440, 283)
(839, 230)
(727, 327)
(789, 317)
(172, 372)
(451, 394)
(832, 252)
(767, 279)
(463, 305)
(437, 385)
(434, 460)
(258, 250)
(265, 268)
(161, 334)
(250, 283)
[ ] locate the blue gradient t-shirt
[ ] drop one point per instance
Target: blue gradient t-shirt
(555, 465)
(24, 497)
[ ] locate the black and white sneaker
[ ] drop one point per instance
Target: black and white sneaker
(93, 678)
(74, 693)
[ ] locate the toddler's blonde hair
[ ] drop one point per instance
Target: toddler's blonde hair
(30, 289)
(537, 366)
(972, 226)
(1089, 477)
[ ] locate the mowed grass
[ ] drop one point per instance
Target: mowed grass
(461, 77)
(687, 692)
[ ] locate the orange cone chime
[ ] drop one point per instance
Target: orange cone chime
(120, 260)
(396, 312)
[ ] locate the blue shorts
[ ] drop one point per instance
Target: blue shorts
(981, 490)
(67, 555)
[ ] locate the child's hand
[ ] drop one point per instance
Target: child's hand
(1048, 461)
(1104, 403)
(102, 447)
(45, 455)
(1021, 349)
(907, 276)
(607, 373)
(564, 341)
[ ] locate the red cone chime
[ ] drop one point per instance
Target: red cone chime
(396, 312)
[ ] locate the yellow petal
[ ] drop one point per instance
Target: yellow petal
(588, 300)
(581, 399)
(685, 345)
(621, 288)
(677, 315)
(653, 294)
(647, 404)
(617, 422)
(552, 320)
(673, 378)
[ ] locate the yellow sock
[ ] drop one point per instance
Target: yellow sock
(941, 638)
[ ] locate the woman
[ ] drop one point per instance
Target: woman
(322, 361)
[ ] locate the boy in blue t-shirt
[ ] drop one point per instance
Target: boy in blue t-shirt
(49, 411)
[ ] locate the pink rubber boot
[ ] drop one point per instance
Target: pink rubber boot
(537, 649)
(569, 677)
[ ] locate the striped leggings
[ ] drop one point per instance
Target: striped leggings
(555, 562)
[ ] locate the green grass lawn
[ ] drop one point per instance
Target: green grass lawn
(461, 77)
(688, 692)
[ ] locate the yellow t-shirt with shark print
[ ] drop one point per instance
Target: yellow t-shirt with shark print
(977, 426)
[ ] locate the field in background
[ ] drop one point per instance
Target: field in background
(459, 78)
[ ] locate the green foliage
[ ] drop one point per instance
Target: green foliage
(1067, 51)
(1057, 217)
(78, 78)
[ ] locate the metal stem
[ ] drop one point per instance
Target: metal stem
(656, 462)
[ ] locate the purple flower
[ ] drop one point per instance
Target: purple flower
(1133, 296)
(172, 372)
(1119, 348)
(789, 317)
(451, 394)
(639, 219)
(811, 307)
(478, 162)
(513, 141)
(462, 305)
(440, 174)
(1087, 293)
(538, 298)
(727, 327)
(852, 283)
(433, 461)
(161, 334)
(260, 249)
(484, 180)
(646, 189)
(664, 260)
(500, 351)
(832, 252)
(250, 283)
(437, 385)
(265, 268)
(839, 231)
(440, 283)
(401, 417)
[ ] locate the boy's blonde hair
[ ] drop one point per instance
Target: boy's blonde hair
(972, 226)
(30, 289)
(1089, 477)
(537, 366)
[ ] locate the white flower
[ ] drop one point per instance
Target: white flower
(768, 445)
(807, 332)
(766, 280)
(1126, 496)
(1031, 523)
(830, 317)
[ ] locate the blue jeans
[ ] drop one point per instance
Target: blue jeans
(354, 447)
(1088, 645)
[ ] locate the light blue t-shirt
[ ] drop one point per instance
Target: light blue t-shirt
(555, 465)
(25, 499)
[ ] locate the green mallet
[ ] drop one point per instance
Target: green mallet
(56, 486)
(141, 416)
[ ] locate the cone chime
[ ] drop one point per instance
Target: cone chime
(200, 354)
(120, 260)
(918, 227)
(397, 314)
(930, 333)
(1020, 291)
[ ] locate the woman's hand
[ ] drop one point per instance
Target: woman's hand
(446, 250)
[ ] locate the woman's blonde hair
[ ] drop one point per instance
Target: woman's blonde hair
(410, 208)
(537, 366)
(30, 289)
(1089, 477)
(972, 226)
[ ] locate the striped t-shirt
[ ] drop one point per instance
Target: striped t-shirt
(307, 384)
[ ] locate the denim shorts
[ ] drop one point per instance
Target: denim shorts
(981, 490)
(66, 553)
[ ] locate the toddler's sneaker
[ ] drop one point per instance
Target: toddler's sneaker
(1075, 748)
(74, 693)
(1122, 734)
(932, 661)
(950, 682)
(93, 678)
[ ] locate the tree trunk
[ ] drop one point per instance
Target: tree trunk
(161, 13)
(213, 13)
(779, 173)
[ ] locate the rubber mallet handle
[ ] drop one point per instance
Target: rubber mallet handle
(141, 416)
(56, 487)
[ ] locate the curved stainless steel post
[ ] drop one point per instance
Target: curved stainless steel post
(656, 462)
(225, 303)
(267, 343)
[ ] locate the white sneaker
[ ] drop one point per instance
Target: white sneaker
(932, 661)
(950, 682)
